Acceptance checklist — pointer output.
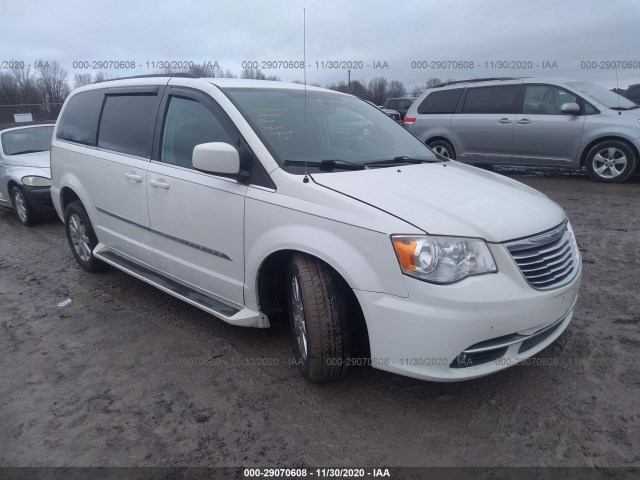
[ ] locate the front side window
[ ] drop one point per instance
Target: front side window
(501, 99)
(188, 123)
(27, 140)
(324, 126)
(546, 99)
(126, 125)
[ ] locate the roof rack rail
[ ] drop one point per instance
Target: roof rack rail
(474, 80)
(152, 75)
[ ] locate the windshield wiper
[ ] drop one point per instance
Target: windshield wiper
(327, 165)
(625, 108)
(403, 160)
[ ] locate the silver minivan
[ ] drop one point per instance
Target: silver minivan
(531, 122)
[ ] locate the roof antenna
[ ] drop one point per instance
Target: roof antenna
(618, 90)
(304, 59)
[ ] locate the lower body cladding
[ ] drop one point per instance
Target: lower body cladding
(465, 330)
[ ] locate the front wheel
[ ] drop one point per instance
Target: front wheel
(24, 211)
(443, 148)
(81, 237)
(318, 311)
(611, 161)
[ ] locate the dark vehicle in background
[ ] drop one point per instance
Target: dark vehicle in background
(400, 104)
(25, 175)
(633, 93)
(391, 113)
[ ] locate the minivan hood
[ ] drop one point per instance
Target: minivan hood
(449, 198)
(36, 159)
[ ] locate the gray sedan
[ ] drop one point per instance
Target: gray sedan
(25, 175)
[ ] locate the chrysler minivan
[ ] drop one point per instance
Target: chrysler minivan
(247, 198)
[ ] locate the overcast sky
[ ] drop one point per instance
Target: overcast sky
(566, 32)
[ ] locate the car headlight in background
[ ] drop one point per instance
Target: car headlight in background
(36, 181)
(442, 259)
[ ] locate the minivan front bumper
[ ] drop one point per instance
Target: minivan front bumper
(466, 330)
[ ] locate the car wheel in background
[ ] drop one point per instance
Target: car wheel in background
(24, 211)
(611, 161)
(82, 239)
(318, 313)
(443, 148)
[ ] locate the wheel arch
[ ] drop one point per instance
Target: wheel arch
(270, 288)
(593, 143)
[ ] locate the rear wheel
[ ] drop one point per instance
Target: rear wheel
(318, 312)
(25, 213)
(611, 161)
(81, 237)
(443, 148)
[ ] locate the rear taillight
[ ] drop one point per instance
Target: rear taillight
(409, 120)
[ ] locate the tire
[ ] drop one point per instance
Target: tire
(611, 161)
(318, 304)
(443, 148)
(81, 237)
(23, 210)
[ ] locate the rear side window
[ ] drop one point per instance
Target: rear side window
(443, 101)
(126, 125)
(79, 120)
(501, 99)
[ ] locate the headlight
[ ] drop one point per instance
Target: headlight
(442, 259)
(36, 181)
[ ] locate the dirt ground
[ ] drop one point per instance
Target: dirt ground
(127, 375)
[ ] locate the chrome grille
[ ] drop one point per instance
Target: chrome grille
(547, 260)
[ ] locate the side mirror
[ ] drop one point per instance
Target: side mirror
(216, 157)
(572, 108)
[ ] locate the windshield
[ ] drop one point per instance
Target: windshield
(602, 95)
(27, 140)
(340, 127)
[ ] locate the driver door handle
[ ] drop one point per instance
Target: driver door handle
(504, 121)
(523, 121)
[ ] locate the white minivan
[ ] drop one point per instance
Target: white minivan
(247, 198)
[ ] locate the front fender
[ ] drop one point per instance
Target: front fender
(364, 258)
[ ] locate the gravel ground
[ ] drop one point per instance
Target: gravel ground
(127, 375)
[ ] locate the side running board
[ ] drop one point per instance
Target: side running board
(244, 317)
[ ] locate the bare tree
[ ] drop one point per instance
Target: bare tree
(81, 79)
(101, 76)
(396, 89)
(378, 90)
(52, 82)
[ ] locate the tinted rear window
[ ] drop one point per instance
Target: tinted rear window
(79, 120)
(126, 124)
(443, 101)
(500, 99)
